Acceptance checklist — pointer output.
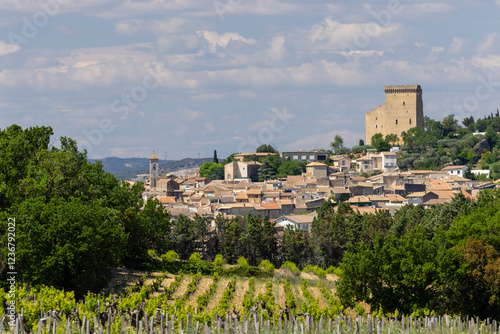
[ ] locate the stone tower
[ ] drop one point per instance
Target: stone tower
(153, 170)
(402, 110)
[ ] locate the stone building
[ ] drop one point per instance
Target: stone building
(402, 110)
(154, 172)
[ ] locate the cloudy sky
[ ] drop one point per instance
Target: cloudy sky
(126, 77)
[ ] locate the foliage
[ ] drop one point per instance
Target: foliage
(338, 145)
(382, 144)
(290, 267)
(219, 260)
(170, 256)
(266, 149)
(267, 265)
(195, 257)
(212, 170)
(242, 262)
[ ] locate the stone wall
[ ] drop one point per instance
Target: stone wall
(402, 110)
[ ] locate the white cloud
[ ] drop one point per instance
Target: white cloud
(277, 49)
(491, 62)
(488, 43)
(214, 39)
(333, 35)
(129, 27)
(157, 27)
(6, 48)
(456, 45)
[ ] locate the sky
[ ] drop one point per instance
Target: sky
(185, 77)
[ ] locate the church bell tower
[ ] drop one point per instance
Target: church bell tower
(153, 170)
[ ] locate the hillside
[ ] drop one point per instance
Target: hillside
(130, 168)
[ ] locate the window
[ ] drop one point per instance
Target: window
(376, 126)
(410, 120)
(229, 177)
(304, 157)
(295, 157)
(376, 118)
(396, 122)
(403, 102)
(311, 157)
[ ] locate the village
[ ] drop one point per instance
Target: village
(368, 181)
(292, 201)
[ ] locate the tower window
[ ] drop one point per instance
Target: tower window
(396, 122)
(376, 118)
(410, 120)
(376, 126)
(403, 102)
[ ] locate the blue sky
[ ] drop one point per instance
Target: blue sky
(186, 77)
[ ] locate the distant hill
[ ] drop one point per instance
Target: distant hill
(129, 168)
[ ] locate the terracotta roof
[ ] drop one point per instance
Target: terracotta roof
(395, 198)
(365, 209)
(300, 219)
(209, 189)
(445, 194)
(270, 206)
(167, 200)
(254, 192)
(453, 167)
(201, 179)
(241, 196)
(316, 164)
(358, 178)
(252, 163)
(418, 194)
(439, 184)
(340, 190)
(358, 199)
(434, 201)
(375, 198)
(421, 171)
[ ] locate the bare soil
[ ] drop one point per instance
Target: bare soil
(202, 287)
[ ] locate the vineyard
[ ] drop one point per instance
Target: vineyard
(164, 303)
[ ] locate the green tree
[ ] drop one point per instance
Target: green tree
(289, 167)
(330, 232)
(66, 243)
(361, 142)
(266, 149)
(297, 246)
(211, 170)
(215, 160)
(413, 138)
(450, 125)
(79, 212)
(269, 168)
(338, 144)
(391, 139)
(380, 143)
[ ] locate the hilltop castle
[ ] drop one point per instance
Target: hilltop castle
(402, 110)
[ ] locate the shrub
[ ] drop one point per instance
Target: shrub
(291, 267)
(219, 260)
(334, 270)
(267, 265)
(152, 254)
(242, 262)
(170, 256)
(195, 257)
